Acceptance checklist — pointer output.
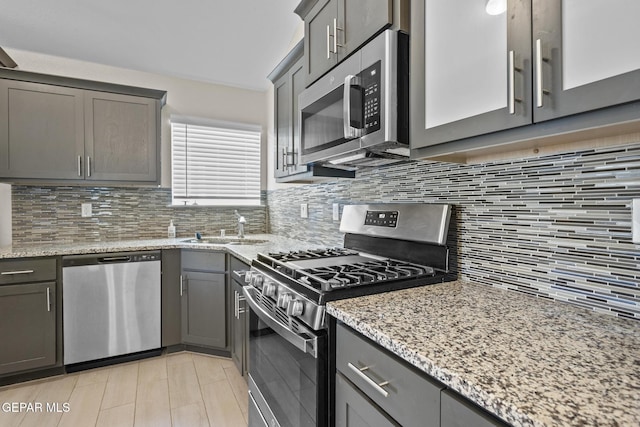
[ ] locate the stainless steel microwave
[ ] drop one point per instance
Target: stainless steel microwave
(358, 113)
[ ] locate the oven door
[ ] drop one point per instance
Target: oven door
(287, 371)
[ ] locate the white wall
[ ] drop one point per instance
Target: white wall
(5, 215)
(184, 97)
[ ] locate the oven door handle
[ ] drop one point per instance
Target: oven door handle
(308, 345)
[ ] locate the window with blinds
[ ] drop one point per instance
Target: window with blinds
(215, 165)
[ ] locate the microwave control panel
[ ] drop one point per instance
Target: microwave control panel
(370, 78)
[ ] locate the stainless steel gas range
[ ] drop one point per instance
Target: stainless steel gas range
(386, 247)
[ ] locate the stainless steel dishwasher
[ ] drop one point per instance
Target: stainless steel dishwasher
(111, 305)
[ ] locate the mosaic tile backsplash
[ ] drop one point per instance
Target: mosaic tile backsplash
(53, 214)
(555, 227)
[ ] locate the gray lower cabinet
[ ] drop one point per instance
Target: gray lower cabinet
(405, 396)
(354, 409)
(171, 298)
(458, 412)
(376, 388)
(203, 290)
(28, 314)
(239, 321)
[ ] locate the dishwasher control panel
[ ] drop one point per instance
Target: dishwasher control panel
(110, 258)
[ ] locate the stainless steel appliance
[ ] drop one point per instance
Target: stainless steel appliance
(358, 113)
(111, 305)
(386, 247)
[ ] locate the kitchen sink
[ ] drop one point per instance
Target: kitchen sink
(225, 241)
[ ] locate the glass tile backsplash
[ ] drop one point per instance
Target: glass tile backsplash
(555, 227)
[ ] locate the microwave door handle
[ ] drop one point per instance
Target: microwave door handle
(349, 131)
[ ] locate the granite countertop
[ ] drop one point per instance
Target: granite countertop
(246, 252)
(530, 361)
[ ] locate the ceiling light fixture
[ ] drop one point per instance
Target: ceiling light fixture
(496, 7)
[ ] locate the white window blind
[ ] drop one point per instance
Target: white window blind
(215, 164)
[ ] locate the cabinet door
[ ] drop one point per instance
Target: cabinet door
(353, 409)
(121, 142)
(586, 55)
(27, 326)
(362, 19)
(41, 131)
(457, 412)
(297, 86)
(204, 309)
(171, 295)
(320, 45)
(470, 71)
(282, 98)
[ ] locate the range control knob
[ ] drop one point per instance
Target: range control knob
(295, 308)
(257, 280)
(248, 276)
(269, 289)
(284, 299)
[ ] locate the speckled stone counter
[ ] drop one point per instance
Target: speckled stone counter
(529, 361)
(245, 252)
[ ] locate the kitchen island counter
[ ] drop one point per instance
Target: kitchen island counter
(529, 361)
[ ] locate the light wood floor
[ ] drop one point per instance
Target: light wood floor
(180, 389)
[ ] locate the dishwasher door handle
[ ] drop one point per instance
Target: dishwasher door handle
(110, 259)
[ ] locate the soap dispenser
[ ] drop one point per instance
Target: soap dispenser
(171, 230)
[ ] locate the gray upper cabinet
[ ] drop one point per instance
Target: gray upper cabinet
(474, 83)
(120, 137)
(60, 130)
(288, 82)
(500, 79)
(585, 55)
(336, 28)
(41, 130)
(319, 27)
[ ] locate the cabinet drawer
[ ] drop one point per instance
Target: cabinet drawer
(27, 270)
(411, 400)
(203, 260)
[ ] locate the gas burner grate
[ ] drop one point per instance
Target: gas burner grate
(362, 273)
(311, 254)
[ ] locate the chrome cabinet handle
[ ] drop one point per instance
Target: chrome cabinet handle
(284, 159)
(512, 82)
(48, 299)
(335, 36)
(13, 273)
(88, 165)
(540, 92)
(376, 386)
(235, 305)
(181, 288)
(79, 165)
(328, 42)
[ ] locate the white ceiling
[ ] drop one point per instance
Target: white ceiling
(230, 42)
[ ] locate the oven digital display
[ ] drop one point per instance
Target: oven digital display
(382, 218)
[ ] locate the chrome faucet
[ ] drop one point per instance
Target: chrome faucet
(241, 223)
